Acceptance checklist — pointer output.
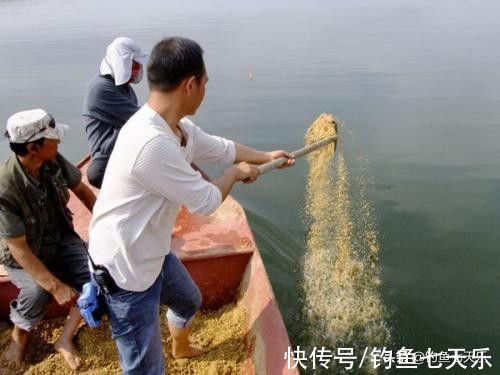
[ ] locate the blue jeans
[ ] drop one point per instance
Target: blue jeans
(135, 321)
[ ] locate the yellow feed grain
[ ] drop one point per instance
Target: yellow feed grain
(341, 277)
(220, 333)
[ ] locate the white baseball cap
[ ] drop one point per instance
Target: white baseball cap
(28, 126)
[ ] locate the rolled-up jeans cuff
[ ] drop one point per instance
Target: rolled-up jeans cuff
(178, 320)
(26, 324)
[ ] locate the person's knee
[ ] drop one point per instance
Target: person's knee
(35, 297)
(30, 305)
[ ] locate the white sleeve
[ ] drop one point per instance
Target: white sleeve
(211, 149)
(161, 169)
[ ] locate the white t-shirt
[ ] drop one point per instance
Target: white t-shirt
(147, 178)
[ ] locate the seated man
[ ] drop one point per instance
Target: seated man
(39, 249)
(110, 101)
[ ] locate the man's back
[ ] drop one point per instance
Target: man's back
(106, 109)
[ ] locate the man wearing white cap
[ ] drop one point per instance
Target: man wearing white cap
(110, 101)
(39, 248)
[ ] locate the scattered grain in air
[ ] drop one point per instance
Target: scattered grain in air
(341, 277)
(220, 333)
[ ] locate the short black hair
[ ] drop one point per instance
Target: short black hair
(21, 149)
(172, 60)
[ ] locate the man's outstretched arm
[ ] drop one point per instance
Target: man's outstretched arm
(252, 156)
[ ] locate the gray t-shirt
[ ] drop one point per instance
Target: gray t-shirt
(106, 109)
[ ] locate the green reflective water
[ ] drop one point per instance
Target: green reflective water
(416, 84)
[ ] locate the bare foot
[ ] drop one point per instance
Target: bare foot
(69, 353)
(15, 354)
(188, 351)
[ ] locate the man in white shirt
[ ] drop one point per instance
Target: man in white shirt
(148, 178)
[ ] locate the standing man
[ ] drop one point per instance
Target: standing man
(39, 249)
(148, 177)
(110, 101)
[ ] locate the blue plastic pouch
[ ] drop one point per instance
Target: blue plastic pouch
(91, 304)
